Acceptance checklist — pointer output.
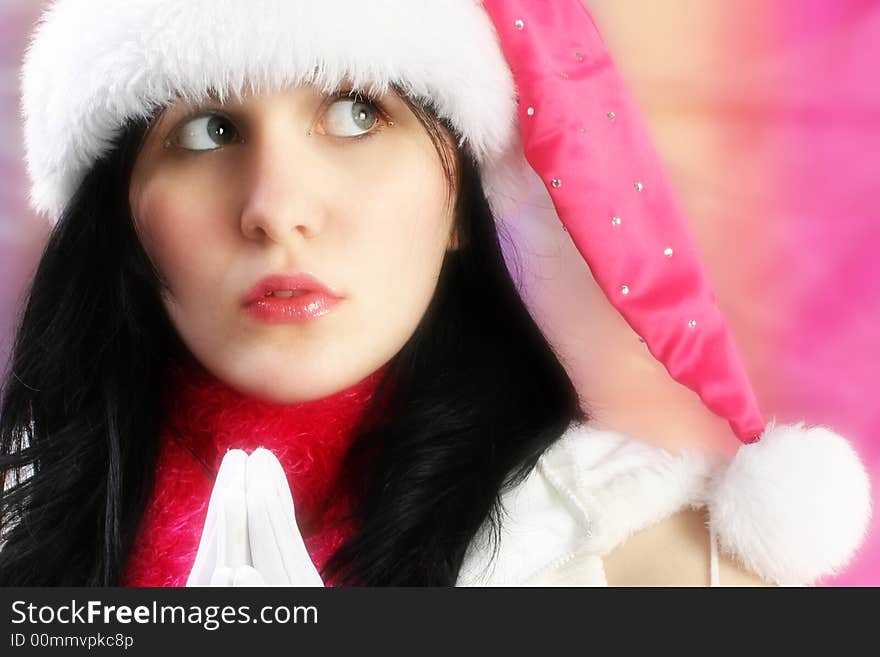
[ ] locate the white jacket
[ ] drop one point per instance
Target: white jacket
(590, 491)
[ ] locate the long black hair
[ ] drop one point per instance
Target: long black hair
(473, 398)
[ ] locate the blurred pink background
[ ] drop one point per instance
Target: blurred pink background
(768, 118)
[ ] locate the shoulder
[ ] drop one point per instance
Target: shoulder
(599, 495)
(627, 484)
(672, 552)
(590, 490)
(675, 551)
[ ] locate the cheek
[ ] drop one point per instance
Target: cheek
(404, 227)
(180, 230)
(182, 233)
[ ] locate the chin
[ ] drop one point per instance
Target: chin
(280, 388)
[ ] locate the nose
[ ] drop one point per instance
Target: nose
(279, 187)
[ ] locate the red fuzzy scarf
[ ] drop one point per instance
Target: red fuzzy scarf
(203, 418)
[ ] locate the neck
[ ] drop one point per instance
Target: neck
(309, 438)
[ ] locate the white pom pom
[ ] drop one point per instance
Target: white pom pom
(793, 506)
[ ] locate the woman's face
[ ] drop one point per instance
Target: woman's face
(349, 192)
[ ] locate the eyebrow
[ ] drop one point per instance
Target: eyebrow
(152, 126)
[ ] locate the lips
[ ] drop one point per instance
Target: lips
(286, 286)
(284, 298)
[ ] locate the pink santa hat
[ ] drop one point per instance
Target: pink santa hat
(794, 503)
(529, 85)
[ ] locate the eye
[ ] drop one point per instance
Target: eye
(351, 117)
(205, 133)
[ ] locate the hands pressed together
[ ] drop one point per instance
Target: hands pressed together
(251, 537)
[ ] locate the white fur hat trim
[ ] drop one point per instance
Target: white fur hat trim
(94, 64)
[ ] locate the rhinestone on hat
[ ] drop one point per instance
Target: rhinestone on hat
(557, 183)
(519, 24)
(692, 323)
(615, 221)
(579, 56)
(624, 289)
(611, 116)
(530, 111)
(667, 252)
(639, 186)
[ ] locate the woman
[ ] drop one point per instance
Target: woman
(427, 431)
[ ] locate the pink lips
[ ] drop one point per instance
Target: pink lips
(311, 299)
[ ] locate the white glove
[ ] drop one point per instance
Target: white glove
(250, 537)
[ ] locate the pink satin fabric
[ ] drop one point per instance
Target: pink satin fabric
(583, 135)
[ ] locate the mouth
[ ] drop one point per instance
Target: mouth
(284, 306)
(285, 298)
(288, 286)
(286, 294)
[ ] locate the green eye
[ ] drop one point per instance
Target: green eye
(205, 133)
(351, 117)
